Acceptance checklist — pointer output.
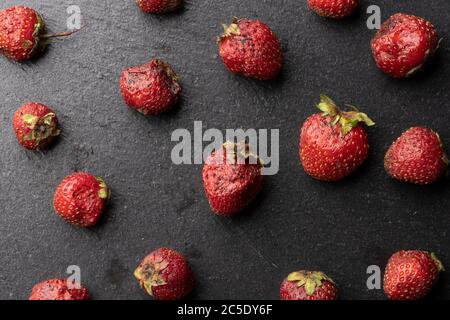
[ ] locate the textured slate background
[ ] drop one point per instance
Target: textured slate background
(297, 223)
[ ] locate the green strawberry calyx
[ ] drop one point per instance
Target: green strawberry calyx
(310, 280)
(149, 275)
(346, 119)
(41, 129)
(445, 159)
(240, 150)
(41, 38)
(39, 27)
(230, 30)
(438, 262)
(103, 192)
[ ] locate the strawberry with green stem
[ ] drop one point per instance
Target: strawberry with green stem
(411, 274)
(80, 199)
(165, 275)
(35, 125)
(232, 178)
(308, 285)
(417, 156)
(333, 143)
(250, 48)
(22, 33)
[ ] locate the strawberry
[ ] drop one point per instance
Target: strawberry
(333, 143)
(58, 289)
(35, 125)
(417, 156)
(308, 285)
(159, 6)
(22, 33)
(250, 48)
(410, 275)
(152, 88)
(232, 178)
(403, 44)
(80, 199)
(335, 9)
(165, 275)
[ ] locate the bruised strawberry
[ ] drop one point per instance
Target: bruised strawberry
(403, 44)
(411, 274)
(250, 48)
(333, 143)
(165, 275)
(58, 289)
(232, 178)
(80, 199)
(22, 33)
(335, 9)
(308, 285)
(417, 156)
(159, 6)
(35, 125)
(152, 88)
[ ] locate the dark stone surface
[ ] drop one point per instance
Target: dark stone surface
(297, 223)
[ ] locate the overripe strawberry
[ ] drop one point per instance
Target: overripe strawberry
(232, 178)
(159, 6)
(22, 33)
(308, 285)
(410, 275)
(80, 199)
(335, 9)
(403, 44)
(250, 48)
(417, 156)
(152, 88)
(35, 125)
(58, 289)
(165, 275)
(333, 143)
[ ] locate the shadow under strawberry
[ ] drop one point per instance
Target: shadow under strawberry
(272, 85)
(107, 216)
(254, 206)
(426, 73)
(439, 289)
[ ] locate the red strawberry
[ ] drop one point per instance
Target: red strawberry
(152, 88)
(58, 289)
(417, 157)
(403, 44)
(250, 48)
(333, 144)
(80, 199)
(232, 178)
(22, 33)
(159, 6)
(308, 285)
(335, 9)
(35, 126)
(410, 275)
(165, 275)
